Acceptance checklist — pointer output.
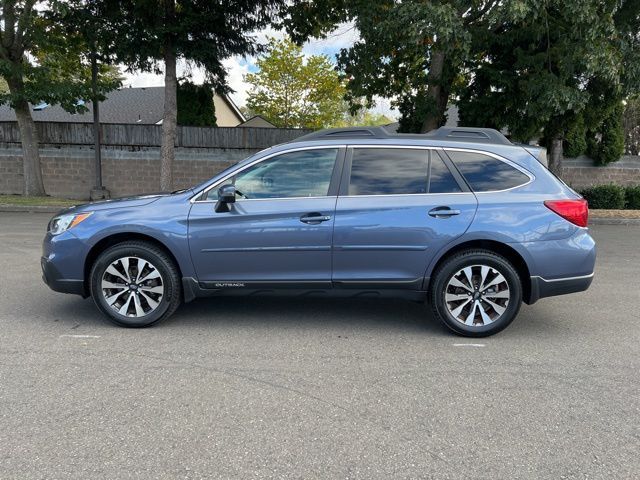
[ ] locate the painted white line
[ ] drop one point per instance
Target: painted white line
(469, 345)
(80, 336)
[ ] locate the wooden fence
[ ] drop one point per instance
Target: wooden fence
(59, 133)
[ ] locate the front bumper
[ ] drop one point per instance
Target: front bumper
(541, 287)
(62, 263)
(52, 277)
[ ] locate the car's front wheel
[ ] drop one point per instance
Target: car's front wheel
(135, 284)
(476, 293)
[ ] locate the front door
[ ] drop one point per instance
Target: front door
(397, 207)
(279, 231)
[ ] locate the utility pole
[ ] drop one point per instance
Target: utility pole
(98, 192)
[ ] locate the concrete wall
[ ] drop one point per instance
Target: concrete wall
(582, 172)
(69, 172)
(130, 155)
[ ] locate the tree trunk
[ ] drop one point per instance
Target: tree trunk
(170, 118)
(555, 155)
(33, 184)
(437, 92)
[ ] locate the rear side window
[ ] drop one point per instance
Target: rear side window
(388, 171)
(399, 171)
(440, 179)
(484, 173)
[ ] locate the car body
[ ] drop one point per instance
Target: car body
(347, 212)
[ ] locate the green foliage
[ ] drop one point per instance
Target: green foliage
(410, 51)
(632, 197)
(202, 32)
(631, 125)
(293, 92)
(195, 105)
(56, 69)
(575, 141)
(363, 118)
(609, 197)
(529, 74)
(606, 144)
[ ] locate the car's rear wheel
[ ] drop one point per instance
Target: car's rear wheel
(476, 293)
(135, 284)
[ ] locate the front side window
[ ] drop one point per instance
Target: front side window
(305, 173)
(484, 173)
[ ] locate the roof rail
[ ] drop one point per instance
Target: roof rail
(348, 132)
(456, 134)
(469, 134)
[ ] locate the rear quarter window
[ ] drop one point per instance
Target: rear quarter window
(484, 173)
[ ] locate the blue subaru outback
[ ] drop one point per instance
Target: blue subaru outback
(460, 218)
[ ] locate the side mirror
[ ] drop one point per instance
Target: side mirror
(226, 195)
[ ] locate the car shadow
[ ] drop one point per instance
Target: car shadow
(280, 312)
(392, 315)
(268, 312)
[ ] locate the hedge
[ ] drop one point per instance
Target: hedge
(632, 197)
(612, 197)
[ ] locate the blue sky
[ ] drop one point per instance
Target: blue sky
(237, 67)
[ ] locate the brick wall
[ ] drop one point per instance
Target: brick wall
(69, 172)
(582, 172)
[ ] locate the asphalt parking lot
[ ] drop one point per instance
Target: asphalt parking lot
(276, 388)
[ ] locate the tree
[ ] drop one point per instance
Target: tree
(545, 65)
(201, 32)
(39, 63)
(410, 50)
(293, 92)
(363, 118)
(631, 124)
(195, 105)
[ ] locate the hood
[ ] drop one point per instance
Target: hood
(126, 202)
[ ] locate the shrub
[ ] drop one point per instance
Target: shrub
(632, 196)
(575, 142)
(610, 197)
(607, 144)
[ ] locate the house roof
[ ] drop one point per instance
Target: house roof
(257, 121)
(126, 105)
(232, 106)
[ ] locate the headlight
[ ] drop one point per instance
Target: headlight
(62, 223)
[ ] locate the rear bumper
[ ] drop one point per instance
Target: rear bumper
(541, 287)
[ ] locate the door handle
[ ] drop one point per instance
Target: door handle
(314, 218)
(443, 212)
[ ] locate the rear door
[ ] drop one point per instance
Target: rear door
(397, 207)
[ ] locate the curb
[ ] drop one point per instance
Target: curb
(613, 221)
(31, 208)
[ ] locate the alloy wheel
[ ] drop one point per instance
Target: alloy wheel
(132, 286)
(477, 295)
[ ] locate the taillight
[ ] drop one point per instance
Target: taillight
(576, 211)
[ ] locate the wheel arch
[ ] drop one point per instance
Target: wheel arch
(507, 251)
(116, 238)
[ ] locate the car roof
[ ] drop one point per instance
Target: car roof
(448, 134)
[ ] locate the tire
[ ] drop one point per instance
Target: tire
(471, 311)
(141, 295)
